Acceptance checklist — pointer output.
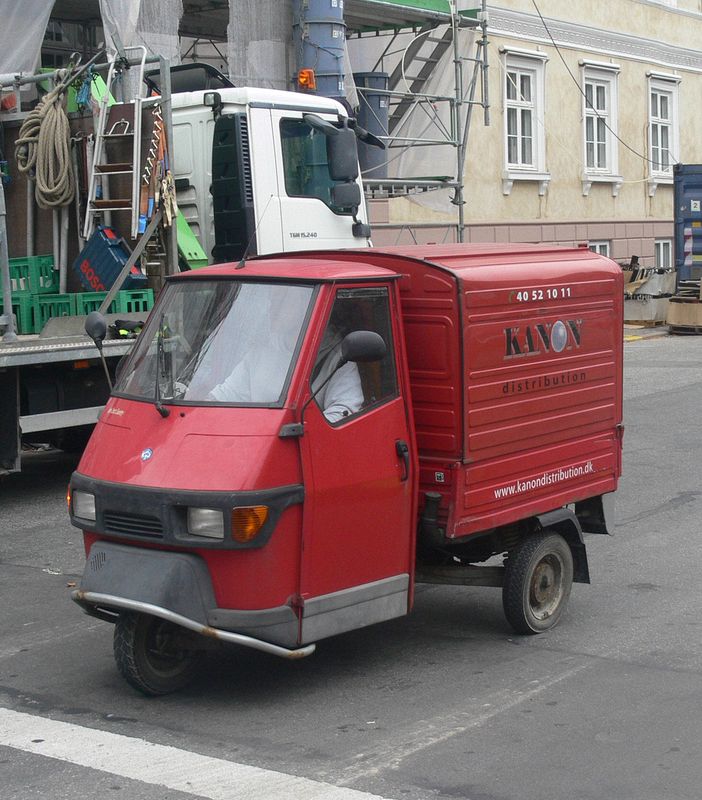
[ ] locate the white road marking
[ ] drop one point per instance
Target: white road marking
(24, 641)
(159, 765)
(429, 732)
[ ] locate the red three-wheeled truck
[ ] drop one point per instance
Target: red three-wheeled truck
(295, 441)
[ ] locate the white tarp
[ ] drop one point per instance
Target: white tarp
(21, 35)
(151, 23)
(259, 43)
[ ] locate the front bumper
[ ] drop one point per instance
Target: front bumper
(177, 587)
(92, 601)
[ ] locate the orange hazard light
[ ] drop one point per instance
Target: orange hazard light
(306, 79)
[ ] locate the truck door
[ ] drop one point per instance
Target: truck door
(360, 478)
(309, 219)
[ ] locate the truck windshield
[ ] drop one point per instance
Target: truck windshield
(219, 341)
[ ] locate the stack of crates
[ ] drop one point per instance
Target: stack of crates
(31, 277)
(35, 299)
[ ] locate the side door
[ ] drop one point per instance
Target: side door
(309, 219)
(360, 476)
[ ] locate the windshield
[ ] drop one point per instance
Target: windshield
(218, 342)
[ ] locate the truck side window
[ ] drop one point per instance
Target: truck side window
(354, 388)
(305, 162)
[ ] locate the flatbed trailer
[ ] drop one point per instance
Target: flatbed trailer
(50, 390)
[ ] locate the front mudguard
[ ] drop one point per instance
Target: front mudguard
(177, 587)
(177, 582)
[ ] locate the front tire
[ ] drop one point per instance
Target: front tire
(538, 580)
(154, 656)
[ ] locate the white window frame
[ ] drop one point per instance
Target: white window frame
(601, 246)
(531, 64)
(664, 253)
(662, 86)
(602, 77)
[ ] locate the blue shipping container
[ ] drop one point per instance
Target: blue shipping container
(688, 221)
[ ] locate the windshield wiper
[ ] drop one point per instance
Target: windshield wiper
(160, 360)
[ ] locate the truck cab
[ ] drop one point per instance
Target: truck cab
(257, 171)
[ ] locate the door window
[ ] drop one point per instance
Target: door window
(349, 390)
(305, 163)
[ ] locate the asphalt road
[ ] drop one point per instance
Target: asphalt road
(446, 703)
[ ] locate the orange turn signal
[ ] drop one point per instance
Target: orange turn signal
(306, 79)
(247, 521)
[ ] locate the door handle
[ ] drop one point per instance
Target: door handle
(402, 450)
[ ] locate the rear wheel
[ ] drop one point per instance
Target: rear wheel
(155, 656)
(538, 580)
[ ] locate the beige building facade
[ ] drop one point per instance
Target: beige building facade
(591, 105)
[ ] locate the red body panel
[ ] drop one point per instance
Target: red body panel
(507, 424)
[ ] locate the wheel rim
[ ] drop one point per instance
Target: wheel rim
(546, 587)
(162, 652)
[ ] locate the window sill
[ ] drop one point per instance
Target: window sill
(588, 179)
(509, 176)
(654, 181)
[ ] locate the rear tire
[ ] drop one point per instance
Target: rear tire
(153, 655)
(538, 580)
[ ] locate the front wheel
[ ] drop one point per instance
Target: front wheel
(538, 580)
(154, 656)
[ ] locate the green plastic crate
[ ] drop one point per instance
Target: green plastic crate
(23, 309)
(134, 301)
(33, 275)
(47, 306)
(91, 301)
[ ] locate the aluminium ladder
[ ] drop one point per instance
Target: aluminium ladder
(118, 128)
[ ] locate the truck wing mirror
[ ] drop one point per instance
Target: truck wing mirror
(342, 155)
(363, 346)
(368, 138)
(321, 125)
(346, 195)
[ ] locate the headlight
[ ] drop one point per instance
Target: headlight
(84, 505)
(207, 522)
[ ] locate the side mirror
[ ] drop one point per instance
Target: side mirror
(96, 327)
(346, 195)
(342, 155)
(213, 100)
(363, 346)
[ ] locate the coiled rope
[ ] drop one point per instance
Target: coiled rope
(44, 147)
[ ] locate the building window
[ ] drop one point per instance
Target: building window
(663, 133)
(664, 253)
(525, 142)
(602, 248)
(520, 118)
(597, 119)
(600, 112)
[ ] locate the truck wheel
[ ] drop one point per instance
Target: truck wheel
(538, 580)
(152, 655)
